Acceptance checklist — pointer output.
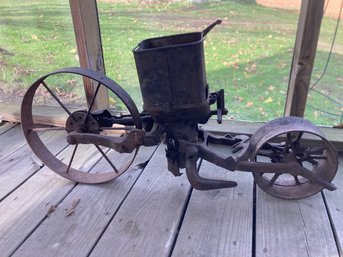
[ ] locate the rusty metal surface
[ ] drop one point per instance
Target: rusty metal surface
(314, 165)
(176, 99)
(172, 76)
(85, 125)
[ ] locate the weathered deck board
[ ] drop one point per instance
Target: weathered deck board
(20, 165)
(152, 213)
(11, 141)
(147, 222)
(293, 228)
(98, 204)
(218, 222)
(52, 115)
(6, 126)
(23, 210)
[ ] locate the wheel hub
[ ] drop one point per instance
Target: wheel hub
(82, 122)
(289, 158)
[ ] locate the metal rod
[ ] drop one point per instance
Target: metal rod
(116, 128)
(107, 159)
(274, 178)
(93, 100)
(296, 180)
(72, 158)
(55, 97)
(43, 129)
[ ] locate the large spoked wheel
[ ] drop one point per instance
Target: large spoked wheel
(292, 140)
(85, 163)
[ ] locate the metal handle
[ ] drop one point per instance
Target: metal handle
(210, 27)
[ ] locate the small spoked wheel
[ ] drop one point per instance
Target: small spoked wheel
(293, 140)
(60, 94)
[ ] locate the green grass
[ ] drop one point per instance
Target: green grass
(249, 55)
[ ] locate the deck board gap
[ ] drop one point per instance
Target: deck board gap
(119, 206)
(6, 127)
(333, 228)
(41, 166)
(182, 216)
(305, 231)
(40, 222)
(114, 214)
(19, 185)
(48, 214)
(20, 147)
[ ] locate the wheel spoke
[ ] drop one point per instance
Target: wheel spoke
(313, 157)
(292, 142)
(56, 98)
(107, 159)
(312, 161)
(72, 158)
(316, 150)
(296, 147)
(297, 140)
(287, 144)
(274, 178)
(289, 138)
(93, 99)
(318, 157)
(296, 180)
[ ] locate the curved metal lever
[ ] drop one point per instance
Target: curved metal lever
(210, 27)
(195, 179)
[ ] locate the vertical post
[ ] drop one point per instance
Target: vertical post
(88, 40)
(309, 23)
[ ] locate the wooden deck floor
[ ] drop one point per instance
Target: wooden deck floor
(149, 212)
